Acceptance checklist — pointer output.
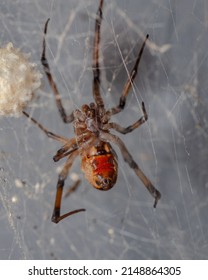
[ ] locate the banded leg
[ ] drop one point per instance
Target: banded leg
(125, 130)
(66, 118)
(108, 137)
(72, 188)
(46, 131)
(128, 85)
(95, 65)
(66, 150)
(56, 217)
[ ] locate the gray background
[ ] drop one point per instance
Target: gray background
(171, 148)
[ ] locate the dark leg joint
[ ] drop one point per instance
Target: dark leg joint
(122, 102)
(64, 117)
(99, 12)
(144, 111)
(56, 158)
(50, 134)
(61, 180)
(63, 152)
(132, 164)
(96, 77)
(44, 61)
(56, 215)
(157, 196)
(133, 74)
(59, 154)
(128, 130)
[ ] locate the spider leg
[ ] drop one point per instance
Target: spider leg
(66, 118)
(72, 188)
(95, 64)
(46, 131)
(128, 84)
(108, 137)
(125, 130)
(56, 217)
(66, 150)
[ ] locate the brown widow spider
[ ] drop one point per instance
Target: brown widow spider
(92, 132)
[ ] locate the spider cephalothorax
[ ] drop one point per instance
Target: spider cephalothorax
(93, 135)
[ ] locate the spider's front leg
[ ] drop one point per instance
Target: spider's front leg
(56, 217)
(66, 118)
(95, 64)
(108, 137)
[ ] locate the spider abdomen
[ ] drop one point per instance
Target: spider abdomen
(103, 163)
(100, 166)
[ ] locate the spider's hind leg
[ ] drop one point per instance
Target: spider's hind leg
(108, 137)
(56, 217)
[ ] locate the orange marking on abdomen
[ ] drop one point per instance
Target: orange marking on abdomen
(103, 163)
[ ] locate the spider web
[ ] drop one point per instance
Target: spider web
(171, 147)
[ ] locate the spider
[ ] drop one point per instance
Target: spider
(92, 141)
